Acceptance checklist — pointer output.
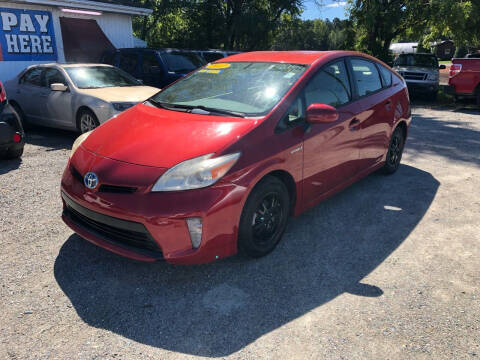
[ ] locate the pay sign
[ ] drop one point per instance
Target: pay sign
(26, 35)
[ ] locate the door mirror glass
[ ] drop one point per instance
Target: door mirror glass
(321, 114)
(58, 87)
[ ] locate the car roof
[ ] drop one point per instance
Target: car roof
(294, 57)
(69, 65)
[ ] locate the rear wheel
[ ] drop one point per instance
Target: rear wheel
(264, 218)
(395, 151)
(14, 153)
(87, 121)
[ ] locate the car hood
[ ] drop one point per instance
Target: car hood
(415, 69)
(149, 136)
(122, 93)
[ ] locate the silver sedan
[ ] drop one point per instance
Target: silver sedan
(74, 96)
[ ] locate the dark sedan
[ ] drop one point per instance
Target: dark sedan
(12, 137)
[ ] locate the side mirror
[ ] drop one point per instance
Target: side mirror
(58, 87)
(321, 114)
(442, 67)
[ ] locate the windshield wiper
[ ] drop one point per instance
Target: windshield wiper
(200, 107)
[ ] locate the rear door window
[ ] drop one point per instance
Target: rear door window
(330, 85)
(32, 77)
(386, 76)
(366, 76)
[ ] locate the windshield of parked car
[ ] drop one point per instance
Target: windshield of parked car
(94, 77)
(182, 62)
(420, 60)
(249, 88)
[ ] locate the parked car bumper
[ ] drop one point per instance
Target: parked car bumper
(11, 131)
(422, 86)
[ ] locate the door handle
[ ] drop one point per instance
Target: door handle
(354, 124)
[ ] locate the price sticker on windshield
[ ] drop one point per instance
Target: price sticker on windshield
(210, 71)
(218, 66)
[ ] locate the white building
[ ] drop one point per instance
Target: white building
(404, 48)
(42, 31)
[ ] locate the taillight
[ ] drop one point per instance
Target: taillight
(455, 70)
(3, 95)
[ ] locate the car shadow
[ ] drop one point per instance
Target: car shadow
(50, 138)
(217, 309)
(9, 165)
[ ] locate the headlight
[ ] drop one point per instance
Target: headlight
(432, 77)
(196, 173)
(79, 141)
(122, 106)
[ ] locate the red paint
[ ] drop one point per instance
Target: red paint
(321, 113)
(138, 146)
(465, 76)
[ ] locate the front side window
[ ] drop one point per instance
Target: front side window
(32, 77)
(329, 86)
(53, 76)
(182, 62)
(150, 64)
(94, 77)
(128, 62)
(250, 88)
(366, 77)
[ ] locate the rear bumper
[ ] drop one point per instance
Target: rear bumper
(9, 126)
(160, 217)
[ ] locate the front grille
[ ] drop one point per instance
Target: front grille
(118, 231)
(105, 188)
(414, 75)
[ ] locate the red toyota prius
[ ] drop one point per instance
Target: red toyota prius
(215, 163)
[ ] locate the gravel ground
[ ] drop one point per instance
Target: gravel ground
(389, 268)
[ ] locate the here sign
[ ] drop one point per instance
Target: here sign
(27, 35)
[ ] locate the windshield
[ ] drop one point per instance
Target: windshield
(250, 88)
(94, 77)
(420, 60)
(182, 62)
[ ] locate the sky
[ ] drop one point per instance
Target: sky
(330, 10)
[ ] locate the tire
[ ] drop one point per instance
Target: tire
(477, 97)
(86, 121)
(21, 115)
(395, 151)
(14, 153)
(433, 96)
(258, 234)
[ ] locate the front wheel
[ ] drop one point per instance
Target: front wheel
(264, 218)
(395, 151)
(87, 121)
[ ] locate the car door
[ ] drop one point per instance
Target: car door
(56, 106)
(331, 151)
(27, 94)
(376, 111)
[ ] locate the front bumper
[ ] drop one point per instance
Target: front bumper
(422, 86)
(162, 216)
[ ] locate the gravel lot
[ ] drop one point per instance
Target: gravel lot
(389, 268)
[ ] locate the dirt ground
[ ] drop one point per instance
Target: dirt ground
(389, 269)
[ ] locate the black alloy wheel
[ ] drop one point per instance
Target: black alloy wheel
(395, 151)
(264, 218)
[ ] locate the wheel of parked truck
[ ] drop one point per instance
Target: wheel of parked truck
(86, 121)
(395, 151)
(21, 115)
(264, 218)
(433, 96)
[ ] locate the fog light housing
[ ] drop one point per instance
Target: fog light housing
(195, 228)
